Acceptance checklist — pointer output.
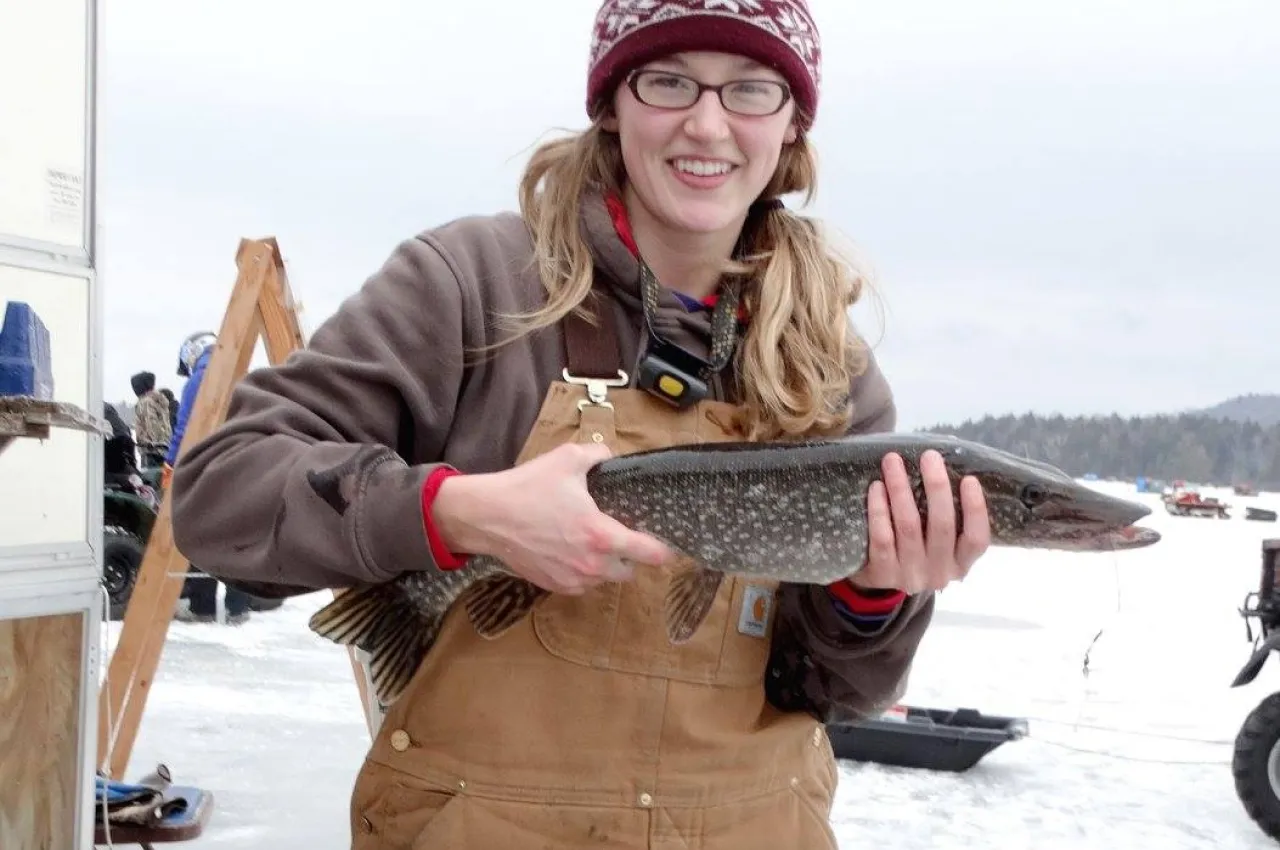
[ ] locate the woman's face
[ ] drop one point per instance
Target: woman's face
(695, 165)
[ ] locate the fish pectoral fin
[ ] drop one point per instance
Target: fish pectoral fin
(498, 603)
(385, 623)
(689, 600)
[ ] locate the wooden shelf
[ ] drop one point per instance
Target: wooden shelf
(24, 416)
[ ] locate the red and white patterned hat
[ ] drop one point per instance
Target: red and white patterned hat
(778, 33)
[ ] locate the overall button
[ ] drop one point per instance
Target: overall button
(400, 740)
(646, 799)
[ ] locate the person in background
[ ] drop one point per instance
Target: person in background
(151, 426)
(193, 359)
(173, 407)
(118, 451)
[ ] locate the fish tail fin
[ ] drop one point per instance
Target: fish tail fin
(689, 599)
(498, 603)
(383, 622)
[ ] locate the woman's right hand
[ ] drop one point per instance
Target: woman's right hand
(541, 521)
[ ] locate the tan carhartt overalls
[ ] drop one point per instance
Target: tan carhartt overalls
(583, 726)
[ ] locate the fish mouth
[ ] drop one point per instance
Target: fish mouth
(1083, 538)
(1092, 523)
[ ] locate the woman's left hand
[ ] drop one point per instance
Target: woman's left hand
(904, 554)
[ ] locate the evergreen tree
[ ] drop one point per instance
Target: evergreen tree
(1191, 446)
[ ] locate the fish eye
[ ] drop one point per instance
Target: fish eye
(1033, 495)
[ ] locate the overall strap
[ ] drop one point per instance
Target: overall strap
(594, 351)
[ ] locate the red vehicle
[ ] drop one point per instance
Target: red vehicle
(1183, 502)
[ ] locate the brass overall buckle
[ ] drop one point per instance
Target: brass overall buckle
(597, 388)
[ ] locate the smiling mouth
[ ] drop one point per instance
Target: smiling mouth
(702, 167)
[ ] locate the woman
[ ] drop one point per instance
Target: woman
(430, 419)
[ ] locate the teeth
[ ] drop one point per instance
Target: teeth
(702, 168)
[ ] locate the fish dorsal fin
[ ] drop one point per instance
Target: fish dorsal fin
(498, 603)
(689, 600)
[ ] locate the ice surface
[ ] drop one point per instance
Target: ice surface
(267, 716)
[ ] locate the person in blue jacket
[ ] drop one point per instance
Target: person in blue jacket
(193, 359)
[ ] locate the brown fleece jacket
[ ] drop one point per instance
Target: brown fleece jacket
(314, 480)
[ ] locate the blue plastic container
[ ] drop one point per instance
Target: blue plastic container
(26, 363)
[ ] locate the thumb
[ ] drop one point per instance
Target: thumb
(589, 454)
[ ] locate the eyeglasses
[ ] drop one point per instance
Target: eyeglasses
(666, 90)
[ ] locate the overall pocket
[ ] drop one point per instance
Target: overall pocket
(391, 810)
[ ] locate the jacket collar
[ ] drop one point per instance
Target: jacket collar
(618, 268)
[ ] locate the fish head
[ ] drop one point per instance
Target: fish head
(1035, 505)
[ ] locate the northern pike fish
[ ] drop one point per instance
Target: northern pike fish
(786, 511)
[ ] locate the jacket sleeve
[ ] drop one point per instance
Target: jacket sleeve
(280, 499)
(822, 662)
(189, 392)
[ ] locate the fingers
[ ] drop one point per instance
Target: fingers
(940, 501)
(640, 548)
(915, 555)
(618, 569)
(882, 547)
(583, 456)
(902, 503)
(976, 536)
(610, 538)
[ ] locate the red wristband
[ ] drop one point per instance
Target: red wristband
(445, 559)
(848, 593)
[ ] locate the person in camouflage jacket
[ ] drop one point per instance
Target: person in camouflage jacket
(152, 430)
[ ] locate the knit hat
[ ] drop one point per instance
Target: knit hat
(777, 33)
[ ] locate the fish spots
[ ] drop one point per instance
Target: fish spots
(802, 524)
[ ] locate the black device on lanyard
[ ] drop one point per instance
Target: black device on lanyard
(674, 374)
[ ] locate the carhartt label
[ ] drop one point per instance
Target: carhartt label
(757, 602)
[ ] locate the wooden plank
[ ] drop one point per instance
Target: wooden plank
(163, 570)
(40, 663)
(26, 417)
(282, 335)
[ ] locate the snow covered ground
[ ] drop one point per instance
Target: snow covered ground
(1136, 753)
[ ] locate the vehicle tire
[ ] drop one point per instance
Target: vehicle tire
(121, 559)
(1255, 765)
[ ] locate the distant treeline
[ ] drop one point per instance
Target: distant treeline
(1194, 447)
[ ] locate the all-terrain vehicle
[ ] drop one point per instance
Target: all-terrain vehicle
(1255, 763)
(129, 507)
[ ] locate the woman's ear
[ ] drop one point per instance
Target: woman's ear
(791, 135)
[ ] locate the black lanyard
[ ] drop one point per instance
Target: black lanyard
(677, 375)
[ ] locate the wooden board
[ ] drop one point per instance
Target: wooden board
(40, 662)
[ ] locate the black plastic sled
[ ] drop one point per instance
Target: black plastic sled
(929, 738)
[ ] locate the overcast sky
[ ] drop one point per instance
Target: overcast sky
(1070, 206)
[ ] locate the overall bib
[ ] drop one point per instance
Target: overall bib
(583, 726)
